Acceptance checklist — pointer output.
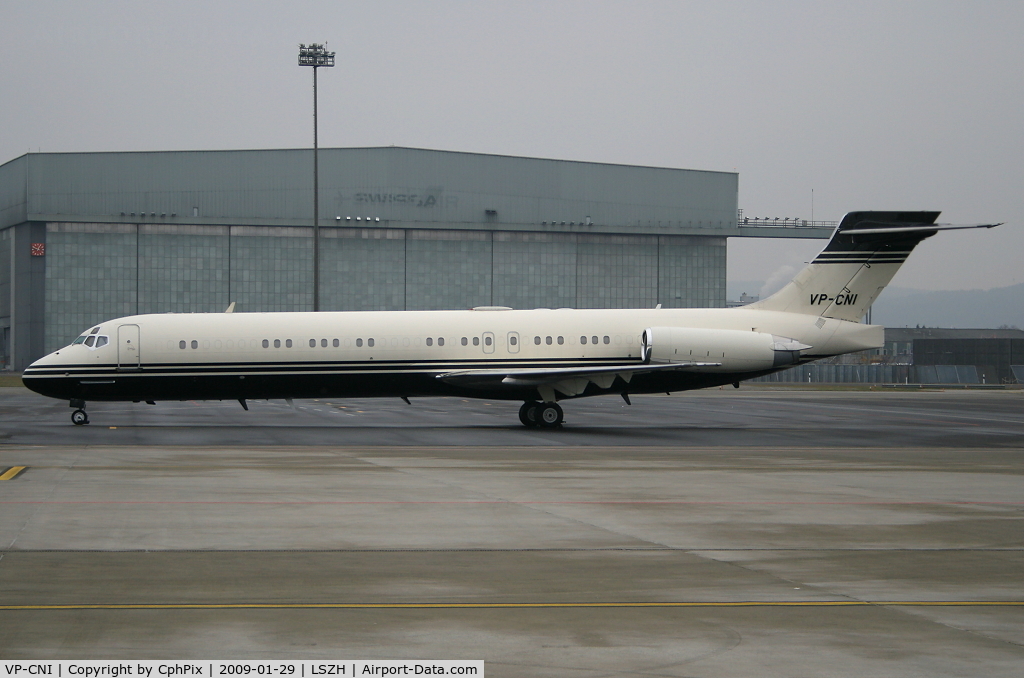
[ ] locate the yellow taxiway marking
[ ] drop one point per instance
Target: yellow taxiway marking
(12, 472)
(401, 606)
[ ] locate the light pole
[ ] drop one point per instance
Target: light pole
(316, 56)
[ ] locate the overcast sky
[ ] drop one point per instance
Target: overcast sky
(873, 105)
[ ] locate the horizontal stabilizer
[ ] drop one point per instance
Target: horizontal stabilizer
(921, 228)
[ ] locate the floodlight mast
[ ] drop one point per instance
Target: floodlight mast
(317, 56)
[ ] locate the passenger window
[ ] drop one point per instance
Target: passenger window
(101, 341)
(593, 340)
(369, 342)
(465, 342)
(277, 343)
(195, 344)
(323, 343)
(312, 343)
(430, 341)
(607, 339)
(181, 344)
(476, 341)
(440, 341)
(266, 344)
(536, 340)
(90, 341)
(288, 343)
(583, 340)
(359, 342)
(547, 340)
(513, 341)
(561, 341)
(487, 341)
(336, 342)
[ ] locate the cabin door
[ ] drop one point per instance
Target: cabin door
(488, 342)
(128, 348)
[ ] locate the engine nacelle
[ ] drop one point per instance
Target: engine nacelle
(736, 350)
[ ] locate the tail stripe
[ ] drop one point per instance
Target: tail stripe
(863, 261)
(890, 257)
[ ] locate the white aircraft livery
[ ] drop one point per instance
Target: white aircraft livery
(539, 356)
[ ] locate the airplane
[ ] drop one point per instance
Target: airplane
(539, 356)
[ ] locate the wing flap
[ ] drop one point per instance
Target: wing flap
(567, 380)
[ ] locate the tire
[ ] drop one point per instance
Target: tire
(528, 414)
(549, 415)
(79, 417)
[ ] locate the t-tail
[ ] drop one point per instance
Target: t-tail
(859, 261)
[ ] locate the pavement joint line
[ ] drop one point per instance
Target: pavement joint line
(12, 472)
(608, 449)
(625, 549)
(525, 502)
(496, 605)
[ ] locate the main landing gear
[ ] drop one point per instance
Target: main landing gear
(79, 417)
(546, 415)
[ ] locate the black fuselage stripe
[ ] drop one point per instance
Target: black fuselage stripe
(463, 363)
(93, 371)
(874, 260)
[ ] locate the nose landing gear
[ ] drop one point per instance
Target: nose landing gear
(78, 417)
(546, 415)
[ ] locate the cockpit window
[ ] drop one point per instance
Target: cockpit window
(95, 330)
(92, 341)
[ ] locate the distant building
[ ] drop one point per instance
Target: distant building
(926, 355)
(899, 341)
(992, 358)
(744, 300)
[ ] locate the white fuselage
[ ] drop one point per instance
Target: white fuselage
(399, 353)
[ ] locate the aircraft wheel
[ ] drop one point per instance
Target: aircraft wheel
(528, 414)
(550, 415)
(79, 417)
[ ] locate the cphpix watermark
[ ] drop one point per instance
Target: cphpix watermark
(250, 669)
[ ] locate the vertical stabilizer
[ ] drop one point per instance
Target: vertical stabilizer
(859, 261)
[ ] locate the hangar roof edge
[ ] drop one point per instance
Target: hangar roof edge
(365, 148)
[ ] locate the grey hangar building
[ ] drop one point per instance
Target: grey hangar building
(86, 237)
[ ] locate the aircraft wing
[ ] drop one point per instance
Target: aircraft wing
(568, 380)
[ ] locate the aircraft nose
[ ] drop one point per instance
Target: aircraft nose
(42, 377)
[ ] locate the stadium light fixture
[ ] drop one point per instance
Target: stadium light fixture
(317, 56)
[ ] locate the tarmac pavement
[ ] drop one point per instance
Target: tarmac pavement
(716, 533)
